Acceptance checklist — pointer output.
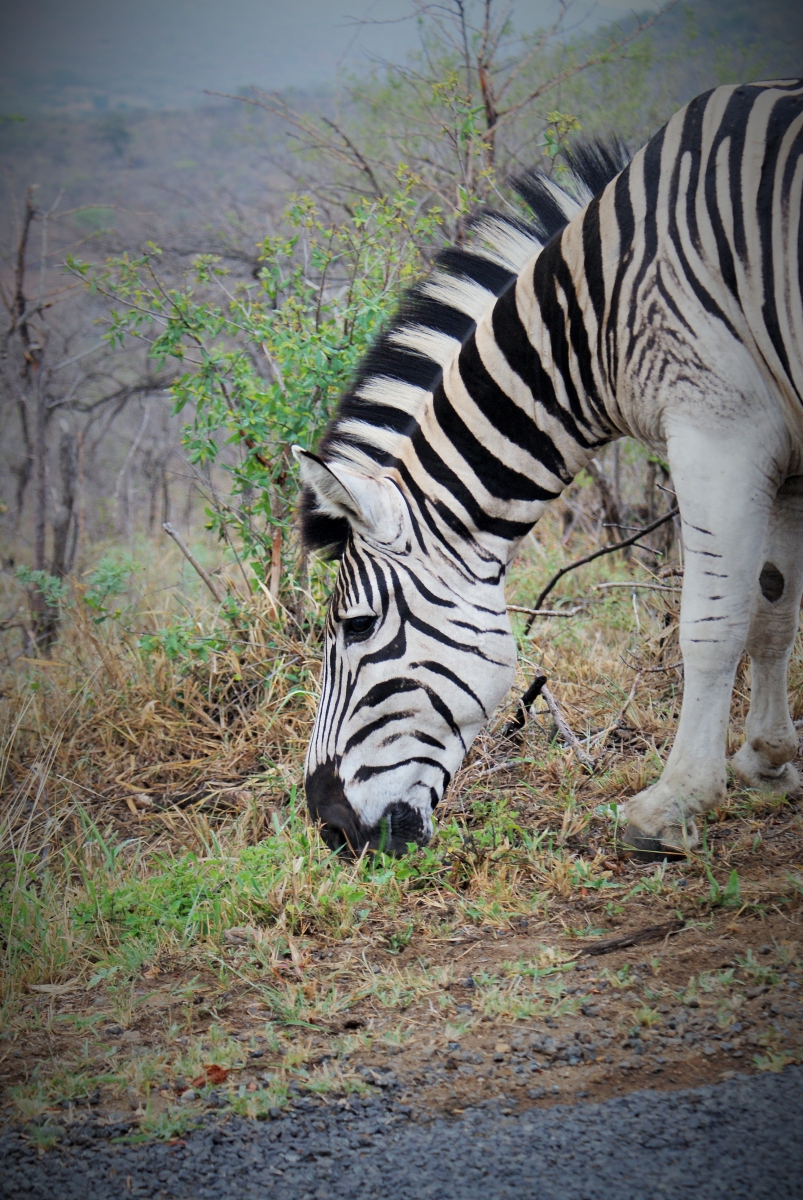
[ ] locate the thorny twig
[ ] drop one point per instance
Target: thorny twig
(545, 612)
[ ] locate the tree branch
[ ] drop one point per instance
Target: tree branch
(598, 554)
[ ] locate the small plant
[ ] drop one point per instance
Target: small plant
(760, 973)
(257, 1105)
(109, 578)
(172, 1123)
(400, 938)
(729, 896)
(185, 641)
(647, 1017)
(43, 1137)
(53, 590)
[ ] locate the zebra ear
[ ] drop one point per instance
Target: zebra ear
(341, 493)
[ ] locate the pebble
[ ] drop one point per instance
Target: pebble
(743, 1137)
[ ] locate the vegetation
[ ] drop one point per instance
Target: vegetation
(172, 924)
(262, 362)
(161, 876)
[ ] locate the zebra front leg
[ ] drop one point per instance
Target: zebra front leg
(725, 482)
(765, 759)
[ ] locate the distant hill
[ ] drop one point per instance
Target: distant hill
(724, 41)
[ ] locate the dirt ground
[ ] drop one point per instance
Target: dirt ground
(709, 986)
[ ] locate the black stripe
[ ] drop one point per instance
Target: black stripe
(480, 270)
(664, 292)
(592, 259)
(364, 773)
(440, 669)
(424, 506)
(394, 687)
(499, 480)
(357, 738)
(505, 415)
(437, 469)
(365, 579)
(523, 358)
(626, 223)
(419, 537)
(423, 590)
(578, 337)
(782, 115)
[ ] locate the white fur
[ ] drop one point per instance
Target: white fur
(372, 435)
(505, 244)
(395, 393)
(430, 342)
(463, 294)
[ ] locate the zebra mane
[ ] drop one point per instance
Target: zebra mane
(405, 364)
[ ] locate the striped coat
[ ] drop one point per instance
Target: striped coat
(660, 300)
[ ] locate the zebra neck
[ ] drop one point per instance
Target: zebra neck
(514, 418)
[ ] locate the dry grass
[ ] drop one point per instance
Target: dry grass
(159, 871)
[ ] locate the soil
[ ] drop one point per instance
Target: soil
(634, 1021)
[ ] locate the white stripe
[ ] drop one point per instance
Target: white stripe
(395, 393)
(507, 245)
(373, 435)
(463, 294)
(430, 342)
(352, 456)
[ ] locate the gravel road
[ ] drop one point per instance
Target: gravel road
(742, 1138)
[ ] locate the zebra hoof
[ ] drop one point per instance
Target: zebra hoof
(750, 768)
(643, 847)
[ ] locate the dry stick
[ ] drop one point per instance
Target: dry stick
(600, 737)
(564, 730)
(545, 612)
(650, 587)
(193, 561)
(651, 933)
(598, 554)
(525, 704)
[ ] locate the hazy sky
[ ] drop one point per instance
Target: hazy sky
(97, 54)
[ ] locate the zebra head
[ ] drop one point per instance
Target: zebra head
(417, 654)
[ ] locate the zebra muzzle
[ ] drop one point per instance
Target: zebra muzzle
(343, 830)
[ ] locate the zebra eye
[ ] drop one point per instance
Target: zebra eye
(357, 628)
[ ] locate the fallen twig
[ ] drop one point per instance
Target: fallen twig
(545, 612)
(564, 730)
(525, 704)
(650, 933)
(652, 587)
(538, 688)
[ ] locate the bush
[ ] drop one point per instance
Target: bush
(265, 360)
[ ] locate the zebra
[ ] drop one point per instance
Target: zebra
(659, 299)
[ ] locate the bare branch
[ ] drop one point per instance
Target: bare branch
(193, 561)
(570, 72)
(598, 554)
(359, 157)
